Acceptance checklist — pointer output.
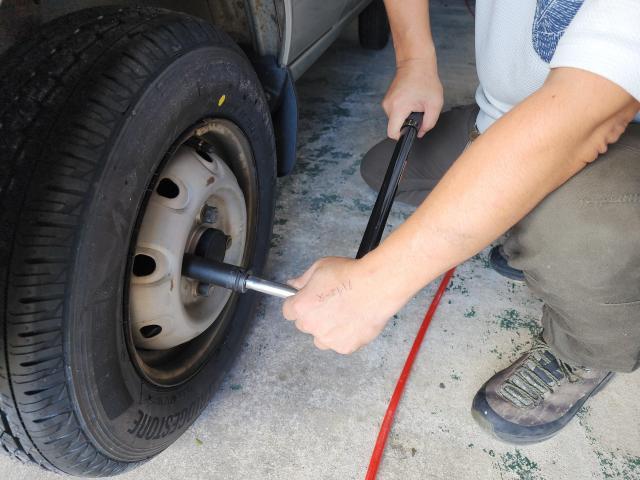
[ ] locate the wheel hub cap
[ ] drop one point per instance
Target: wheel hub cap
(197, 207)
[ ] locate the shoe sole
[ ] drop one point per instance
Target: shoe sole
(499, 264)
(516, 440)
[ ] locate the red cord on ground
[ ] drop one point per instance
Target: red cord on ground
(385, 428)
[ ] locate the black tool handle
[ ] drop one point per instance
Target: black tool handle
(217, 273)
(234, 278)
(380, 213)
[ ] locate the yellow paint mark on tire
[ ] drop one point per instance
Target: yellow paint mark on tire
(221, 100)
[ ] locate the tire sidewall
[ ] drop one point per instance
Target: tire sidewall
(131, 418)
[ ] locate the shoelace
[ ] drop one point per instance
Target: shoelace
(525, 388)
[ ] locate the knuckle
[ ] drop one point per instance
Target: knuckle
(319, 264)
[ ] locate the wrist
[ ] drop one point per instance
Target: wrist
(423, 56)
(424, 68)
(385, 275)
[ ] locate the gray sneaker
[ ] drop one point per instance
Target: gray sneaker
(534, 398)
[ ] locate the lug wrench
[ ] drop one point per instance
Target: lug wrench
(231, 277)
(240, 280)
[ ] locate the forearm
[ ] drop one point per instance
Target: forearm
(411, 31)
(503, 175)
(416, 86)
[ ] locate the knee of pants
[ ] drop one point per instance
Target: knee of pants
(583, 240)
(374, 163)
(430, 156)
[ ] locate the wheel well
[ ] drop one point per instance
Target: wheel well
(253, 24)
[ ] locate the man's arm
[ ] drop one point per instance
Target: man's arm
(416, 86)
(508, 170)
(503, 175)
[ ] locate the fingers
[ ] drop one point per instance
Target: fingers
(397, 116)
(425, 126)
(300, 326)
(289, 309)
(338, 347)
(429, 119)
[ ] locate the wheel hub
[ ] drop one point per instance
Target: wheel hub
(196, 207)
(212, 245)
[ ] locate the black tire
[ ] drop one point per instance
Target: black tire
(373, 26)
(88, 110)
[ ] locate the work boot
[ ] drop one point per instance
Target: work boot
(499, 263)
(534, 398)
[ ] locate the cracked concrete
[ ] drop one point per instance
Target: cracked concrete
(289, 411)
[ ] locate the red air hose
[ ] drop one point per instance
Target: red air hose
(385, 428)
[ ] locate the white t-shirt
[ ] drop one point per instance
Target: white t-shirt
(519, 41)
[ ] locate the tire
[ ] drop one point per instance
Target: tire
(373, 26)
(90, 108)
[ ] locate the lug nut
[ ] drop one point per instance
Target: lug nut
(203, 289)
(209, 214)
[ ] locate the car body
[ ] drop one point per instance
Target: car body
(296, 32)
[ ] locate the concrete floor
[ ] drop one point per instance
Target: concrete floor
(289, 411)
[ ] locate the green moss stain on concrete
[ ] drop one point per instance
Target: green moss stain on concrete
(457, 285)
(582, 416)
(489, 452)
(482, 259)
(276, 238)
(519, 465)
(470, 313)
(511, 319)
(351, 169)
(513, 287)
(496, 352)
(318, 203)
(634, 463)
(361, 206)
(616, 464)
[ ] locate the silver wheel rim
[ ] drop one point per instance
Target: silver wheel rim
(167, 309)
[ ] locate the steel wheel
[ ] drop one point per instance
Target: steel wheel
(196, 205)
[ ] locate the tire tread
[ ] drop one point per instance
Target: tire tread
(45, 95)
(373, 26)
